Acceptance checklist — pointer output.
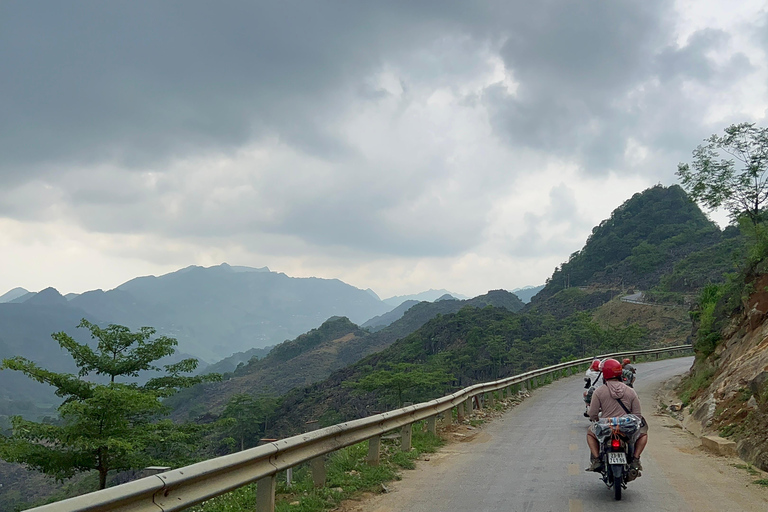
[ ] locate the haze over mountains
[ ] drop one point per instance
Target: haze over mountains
(217, 311)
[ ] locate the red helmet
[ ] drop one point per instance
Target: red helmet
(611, 369)
(626, 361)
(595, 365)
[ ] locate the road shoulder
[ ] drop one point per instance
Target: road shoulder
(707, 482)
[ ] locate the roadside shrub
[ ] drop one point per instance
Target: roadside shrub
(698, 379)
(708, 335)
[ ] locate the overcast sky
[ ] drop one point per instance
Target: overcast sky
(399, 146)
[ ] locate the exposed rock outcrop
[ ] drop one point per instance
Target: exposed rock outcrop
(736, 402)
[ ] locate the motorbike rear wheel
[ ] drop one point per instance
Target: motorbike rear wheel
(618, 475)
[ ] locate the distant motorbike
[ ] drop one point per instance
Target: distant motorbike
(616, 450)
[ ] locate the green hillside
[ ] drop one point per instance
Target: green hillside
(315, 355)
(640, 242)
(472, 345)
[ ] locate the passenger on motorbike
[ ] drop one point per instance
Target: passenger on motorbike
(628, 373)
(592, 381)
(605, 401)
(592, 376)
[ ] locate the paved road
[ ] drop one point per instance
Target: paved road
(533, 459)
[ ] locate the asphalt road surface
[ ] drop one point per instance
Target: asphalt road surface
(533, 458)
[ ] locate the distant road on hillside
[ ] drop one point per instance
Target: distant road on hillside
(635, 298)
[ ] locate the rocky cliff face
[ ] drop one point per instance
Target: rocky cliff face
(735, 403)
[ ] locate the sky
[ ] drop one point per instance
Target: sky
(397, 146)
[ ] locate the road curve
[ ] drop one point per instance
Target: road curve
(533, 458)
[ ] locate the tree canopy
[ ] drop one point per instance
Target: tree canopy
(105, 426)
(730, 171)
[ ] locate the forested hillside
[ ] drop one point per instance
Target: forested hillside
(450, 351)
(315, 355)
(638, 244)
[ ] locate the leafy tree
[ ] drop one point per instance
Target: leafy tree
(400, 378)
(739, 183)
(105, 426)
(245, 418)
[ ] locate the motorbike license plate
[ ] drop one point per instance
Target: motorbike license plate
(617, 458)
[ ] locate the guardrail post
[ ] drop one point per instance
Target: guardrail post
(319, 473)
(265, 494)
(432, 424)
(289, 477)
(480, 401)
(448, 416)
(491, 399)
(460, 412)
(468, 406)
(374, 450)
(405, 437)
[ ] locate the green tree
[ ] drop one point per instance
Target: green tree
(400, 378)
(245, 418)
(105, 426)
(738, 181)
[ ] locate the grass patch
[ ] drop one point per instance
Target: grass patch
(693, 383)
(748, 468)
(348, 474)
(727, 430)
(762, 481)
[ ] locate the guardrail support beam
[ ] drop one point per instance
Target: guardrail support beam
(432, 424)
(374, 450)
(319, 473)
(460, 412)
(448, 416)
(265, 494)
(468, 406)
(491, 399)
(405, 437)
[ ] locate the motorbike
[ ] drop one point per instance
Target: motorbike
(617, 450)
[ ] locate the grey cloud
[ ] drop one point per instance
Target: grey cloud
(587, 82)
(138, 81)
(562, 209)
(691, 60)
(143, 84)
(573, 63)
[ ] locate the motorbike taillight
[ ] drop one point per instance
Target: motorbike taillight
(615, 444)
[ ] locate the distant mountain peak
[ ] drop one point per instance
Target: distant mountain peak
(430, 295)
(47, 296)
(13, 294)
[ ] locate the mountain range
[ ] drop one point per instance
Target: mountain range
(313, 356)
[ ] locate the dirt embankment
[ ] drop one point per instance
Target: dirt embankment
(735, 403)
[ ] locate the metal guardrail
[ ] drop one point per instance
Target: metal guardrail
(184, 487)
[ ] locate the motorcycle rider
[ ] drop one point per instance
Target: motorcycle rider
(628, 373)
(592, 376)
(605, 400)
(592, 381)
